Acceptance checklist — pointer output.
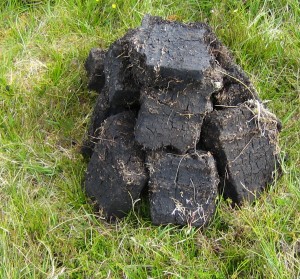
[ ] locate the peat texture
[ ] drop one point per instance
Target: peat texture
(175, 116)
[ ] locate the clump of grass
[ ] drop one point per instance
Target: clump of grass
(47, 227)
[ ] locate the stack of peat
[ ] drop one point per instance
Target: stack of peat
(175, 116)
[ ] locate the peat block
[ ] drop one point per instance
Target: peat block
(177, 114)
(244, 147)
(116, 173)
(123, 91)
(163, 121)
(94, 66)
(166, 53)
(183, 188)
(100, 113)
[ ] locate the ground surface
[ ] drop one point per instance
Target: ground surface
(47, 227)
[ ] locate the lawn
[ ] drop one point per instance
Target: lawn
(48, 229)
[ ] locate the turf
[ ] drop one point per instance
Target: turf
(48, 229)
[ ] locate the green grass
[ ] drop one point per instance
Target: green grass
(47, 227)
